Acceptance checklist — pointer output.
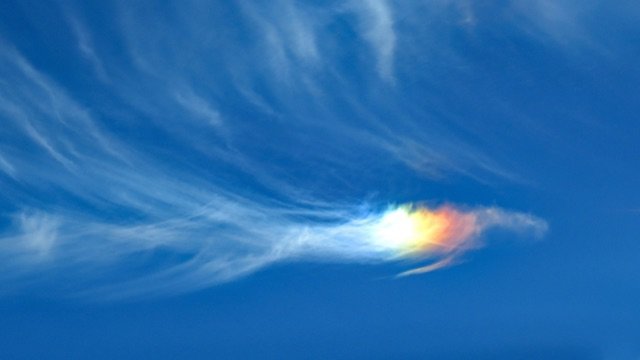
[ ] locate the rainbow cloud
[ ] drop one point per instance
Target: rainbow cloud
(444, 233)
(419, 232)
(413, 232)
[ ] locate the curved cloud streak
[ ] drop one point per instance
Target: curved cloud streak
(227, 240)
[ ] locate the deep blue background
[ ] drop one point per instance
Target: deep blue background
(556, 105)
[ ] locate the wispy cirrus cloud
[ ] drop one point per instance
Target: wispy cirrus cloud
(224, 241)
(293, 52)
(144, 188)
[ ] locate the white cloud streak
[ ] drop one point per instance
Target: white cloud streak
(199, 108)
(87, 49)
(376, 23)
(39, 233)
(7, 167)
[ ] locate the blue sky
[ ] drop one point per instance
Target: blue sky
(224, 179)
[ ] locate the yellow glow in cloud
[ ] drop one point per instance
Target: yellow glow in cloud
(411, 231)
